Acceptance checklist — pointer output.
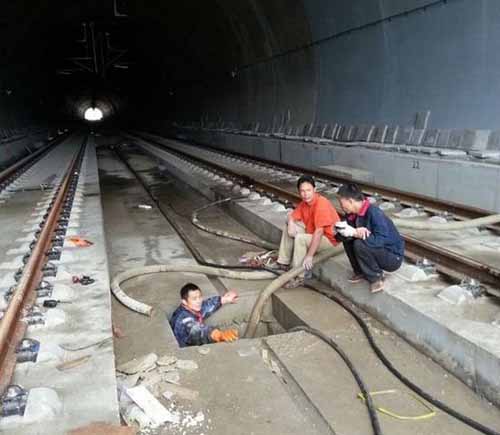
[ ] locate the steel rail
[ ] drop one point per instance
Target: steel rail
(8, 172)
(12, 326)
(460, 211)
(447, 262)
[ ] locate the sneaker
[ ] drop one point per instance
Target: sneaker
(298, 281)
(377, 286)
(356, 277)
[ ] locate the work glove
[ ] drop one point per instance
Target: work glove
(229, 335)
(344, 229)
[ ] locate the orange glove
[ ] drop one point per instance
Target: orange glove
(230, 335)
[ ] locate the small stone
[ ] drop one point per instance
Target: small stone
(172, 377)
(166, 369)
(186, 364)
(166, 360)
(204, 350)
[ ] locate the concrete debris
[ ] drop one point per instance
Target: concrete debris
(133, 415)
(203, 350)
(129, 381)
(189, 422)
(166, 360)
(185, 364)
(145, 206)
(150, 378)
(142, 364)
(166, 369)
(103, 429)
(172, 377)
(181, 392)
(151, 406)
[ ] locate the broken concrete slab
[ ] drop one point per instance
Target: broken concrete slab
(141, 364)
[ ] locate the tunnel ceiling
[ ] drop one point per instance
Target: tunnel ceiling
(72, 54)
(249, 62)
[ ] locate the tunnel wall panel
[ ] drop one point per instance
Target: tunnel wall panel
(442, 59)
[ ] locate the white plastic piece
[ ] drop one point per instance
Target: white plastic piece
(412, 273)
(438, 220)
(455, 295)
(387, 206)
(408, 213)
(279, 207)
(151, 406)
(254, 196)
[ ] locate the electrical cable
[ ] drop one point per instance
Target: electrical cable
(372, 412)
(435, 402)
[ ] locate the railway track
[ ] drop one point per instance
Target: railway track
(251, 173)
(10, 174)
(45, 246)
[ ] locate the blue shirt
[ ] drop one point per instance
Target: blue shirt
(383, 231)
(188, 325)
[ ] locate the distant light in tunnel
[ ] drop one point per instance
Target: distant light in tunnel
(93, 114)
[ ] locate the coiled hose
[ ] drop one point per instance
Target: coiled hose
(145, 309)
(196, 222)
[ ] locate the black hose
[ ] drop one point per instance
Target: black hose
(436, 402)
(167, 212)
(364, 390)
(195, 221)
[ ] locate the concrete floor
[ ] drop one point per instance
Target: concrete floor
(308, 389)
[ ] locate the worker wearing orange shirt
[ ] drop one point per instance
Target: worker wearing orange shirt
(309, 230)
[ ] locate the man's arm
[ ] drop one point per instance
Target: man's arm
(210, 306)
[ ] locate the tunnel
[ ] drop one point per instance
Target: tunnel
(252, 61)
(250, 217)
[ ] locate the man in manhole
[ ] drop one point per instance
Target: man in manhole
(188, 320)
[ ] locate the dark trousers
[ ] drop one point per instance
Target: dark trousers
(371, 262)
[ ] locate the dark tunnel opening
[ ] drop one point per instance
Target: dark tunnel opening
(289, 62)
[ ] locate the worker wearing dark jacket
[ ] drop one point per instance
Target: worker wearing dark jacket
(188, 320)
(371, 241)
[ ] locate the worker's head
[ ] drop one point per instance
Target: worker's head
(306, 187)
(191, 296)
(350, 197)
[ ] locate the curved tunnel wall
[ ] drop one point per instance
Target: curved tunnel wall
(441, 58)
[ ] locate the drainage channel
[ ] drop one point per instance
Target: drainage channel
(22, 310)
(238, 313)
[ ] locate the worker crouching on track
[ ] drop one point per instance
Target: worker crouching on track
(309, 230)
(371, 241)
(187, 321)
